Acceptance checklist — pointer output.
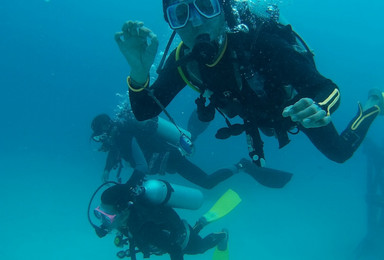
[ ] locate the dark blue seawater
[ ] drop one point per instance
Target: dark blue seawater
(60, 66)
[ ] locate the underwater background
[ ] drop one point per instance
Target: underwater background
(60, 67)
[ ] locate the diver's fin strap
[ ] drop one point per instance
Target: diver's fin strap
(359, 126)
(330, 101)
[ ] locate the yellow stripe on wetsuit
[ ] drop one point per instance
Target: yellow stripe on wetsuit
(180, 70)
(361, 117)
(331, 100)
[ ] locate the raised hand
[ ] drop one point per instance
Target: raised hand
(139, 46)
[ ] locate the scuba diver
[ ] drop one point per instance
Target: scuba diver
(242, 65)
(142, 213)
(152, 146)
(371, 248)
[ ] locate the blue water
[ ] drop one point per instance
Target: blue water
(60, 67)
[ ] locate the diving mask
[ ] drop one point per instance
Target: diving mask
(179, 13)
(107, 219)
(100, 138)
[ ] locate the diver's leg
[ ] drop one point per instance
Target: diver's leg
(198, 245)
(196, 175)
(138, 157)
(195, 125)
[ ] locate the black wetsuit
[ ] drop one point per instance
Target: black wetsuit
(257, 77)
(158, 229)
(122, 144)
(161, 157)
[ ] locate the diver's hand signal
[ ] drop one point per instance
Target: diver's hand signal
(307, 113)
(139, 46)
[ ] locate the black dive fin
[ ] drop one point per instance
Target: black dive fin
(269, 177)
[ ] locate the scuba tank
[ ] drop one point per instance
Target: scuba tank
(174, 135)
(172, 195)
(169, 132)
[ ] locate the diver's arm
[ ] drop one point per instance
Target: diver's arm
(297, 68)
(138, 45)
(309, 83)
(317, 97)
(165, 88)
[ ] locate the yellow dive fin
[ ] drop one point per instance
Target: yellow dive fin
(220, 255)
(227, 202)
